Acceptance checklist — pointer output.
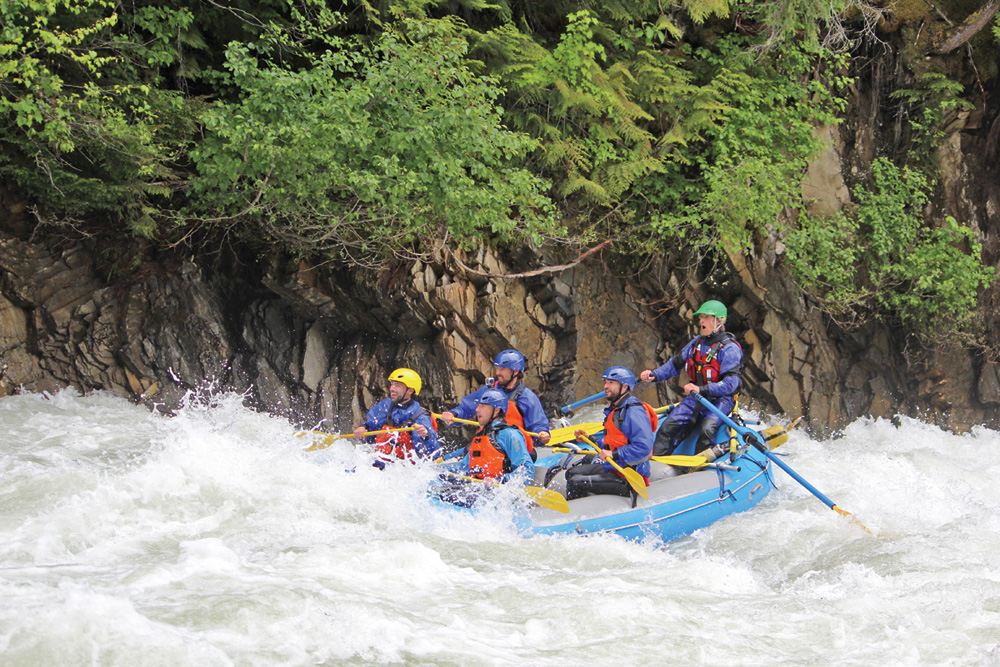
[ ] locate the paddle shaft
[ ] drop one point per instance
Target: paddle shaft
(762, 448)
(475, 423)
(583, 401)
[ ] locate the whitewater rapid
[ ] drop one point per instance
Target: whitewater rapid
(212, 538)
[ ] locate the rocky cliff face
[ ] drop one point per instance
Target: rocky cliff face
(316, 343)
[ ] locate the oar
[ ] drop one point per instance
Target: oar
(470, 422)
(679, 460)
(329, 438)
(666, 408)
(568, 433)
(753, 436)
(633, 478)
(776, 436)
(583, 401)
(475, 423)
(547, 498)
(694, 462)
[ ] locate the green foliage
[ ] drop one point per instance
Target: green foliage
(932, 105)
(886, 259)
(360, 153)
(75, 135)
(582, 112)
(759, 135)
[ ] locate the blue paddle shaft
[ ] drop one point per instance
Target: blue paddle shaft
(582, 402)
(764, 450)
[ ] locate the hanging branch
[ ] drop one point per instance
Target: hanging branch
(970, 27)
(536, 272)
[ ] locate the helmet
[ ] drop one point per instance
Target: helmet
(408, 377)
(510, 359)
(620, 374)
(712, 308)
(493, 397)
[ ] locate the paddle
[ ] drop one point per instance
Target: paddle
(329, 438)
(679, 460)
(547, 498)
(565, 433)
(470, 422)
(633, 478)
(583, 401)
(776, 436)
(568, 433)
(744, 434)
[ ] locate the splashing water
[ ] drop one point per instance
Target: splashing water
(212, 538)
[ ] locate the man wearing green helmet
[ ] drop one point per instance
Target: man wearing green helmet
(713, 361)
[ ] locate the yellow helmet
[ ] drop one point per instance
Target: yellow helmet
(407, 377)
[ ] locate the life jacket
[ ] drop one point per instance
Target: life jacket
(513, 417)
(704, 366)
(399, 444)
(614, 437)
(486, 457)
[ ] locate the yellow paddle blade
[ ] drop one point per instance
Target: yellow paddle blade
(678, 460)
(547, 498)
(776, 436)
(327, 439)
(567, 433)
(633, 478)
(853, 519)
(324, 441)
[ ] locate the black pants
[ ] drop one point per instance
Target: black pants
(588, 479)
(708, 427)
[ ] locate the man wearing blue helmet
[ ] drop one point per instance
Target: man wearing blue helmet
(713, 361)
(523, 410)
(628, 440)
(498, 449)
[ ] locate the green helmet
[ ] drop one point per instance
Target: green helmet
(712, 308)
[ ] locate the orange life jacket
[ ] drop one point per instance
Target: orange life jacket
(486, 458)
(399, 444)
(514, 417)
(613, 435)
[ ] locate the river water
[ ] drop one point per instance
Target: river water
(212, 538)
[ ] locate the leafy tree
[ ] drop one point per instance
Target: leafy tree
(363, 152)
(76, 134)
(886, 260)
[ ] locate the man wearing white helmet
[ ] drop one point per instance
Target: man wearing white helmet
(713, 361)
(401, 410)
(524, 409)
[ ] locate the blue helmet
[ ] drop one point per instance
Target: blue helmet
(510, 359)
(620, 374)
(493, 397)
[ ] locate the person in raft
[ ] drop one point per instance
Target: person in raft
(628, 441)
(400, 410)
(713, 361)
(524, 409)
(497, 453)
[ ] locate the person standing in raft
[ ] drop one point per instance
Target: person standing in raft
(401, 410)
(498, 453)
(713, 361)
(628, 440)
(524, 410)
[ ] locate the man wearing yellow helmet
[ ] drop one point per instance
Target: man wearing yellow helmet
(713, 361)
(400, 410)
